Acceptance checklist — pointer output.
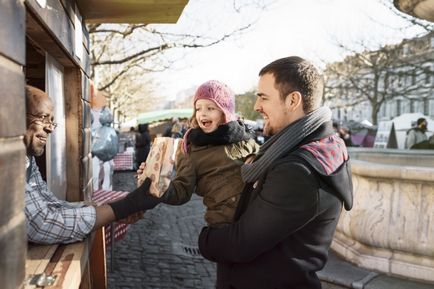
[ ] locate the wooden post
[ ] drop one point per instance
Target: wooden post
(98, 267)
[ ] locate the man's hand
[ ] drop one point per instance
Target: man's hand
(137, 201)
(250, 159)
(133, 218)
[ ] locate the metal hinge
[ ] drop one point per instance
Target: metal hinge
(42, 280)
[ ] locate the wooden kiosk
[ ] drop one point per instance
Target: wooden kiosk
(45, 43)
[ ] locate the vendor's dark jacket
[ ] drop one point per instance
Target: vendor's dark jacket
(285, 222)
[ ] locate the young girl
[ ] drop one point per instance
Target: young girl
(214, 150)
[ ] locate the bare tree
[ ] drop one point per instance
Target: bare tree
(124, 55)
(244, 104)
(394, 71)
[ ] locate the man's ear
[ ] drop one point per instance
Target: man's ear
(294, 100)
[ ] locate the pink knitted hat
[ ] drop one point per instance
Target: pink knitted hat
(221, 95)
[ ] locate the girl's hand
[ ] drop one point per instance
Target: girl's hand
(140, 169)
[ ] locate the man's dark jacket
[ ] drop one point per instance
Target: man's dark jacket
(285, 223)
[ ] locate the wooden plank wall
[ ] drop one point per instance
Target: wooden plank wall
(78, 137)
(13, 242)
(53, 30)
(86, 179)
(58, 21)
(73, 132)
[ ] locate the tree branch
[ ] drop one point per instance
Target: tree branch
(130, 29)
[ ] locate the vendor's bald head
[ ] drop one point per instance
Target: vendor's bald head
(36, 98)
(39, 109)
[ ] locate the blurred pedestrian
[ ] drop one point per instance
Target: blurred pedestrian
(131, 137)
(176, 131)
(143, 144)
(343, 133)
(168, 131)
(417, 134)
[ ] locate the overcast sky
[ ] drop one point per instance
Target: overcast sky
(307, 28)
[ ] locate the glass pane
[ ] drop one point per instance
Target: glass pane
(56, 146)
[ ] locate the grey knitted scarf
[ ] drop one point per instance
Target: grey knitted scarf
(283, 142)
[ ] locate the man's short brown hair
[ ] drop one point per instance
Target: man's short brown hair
(297, 74)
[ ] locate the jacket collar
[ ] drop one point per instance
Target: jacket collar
(231, 132)
(325, 130)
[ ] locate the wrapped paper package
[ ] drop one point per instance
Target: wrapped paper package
(160, 164)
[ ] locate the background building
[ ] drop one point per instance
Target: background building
(382, 84)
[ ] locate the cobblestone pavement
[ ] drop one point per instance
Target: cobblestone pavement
(160, 251)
